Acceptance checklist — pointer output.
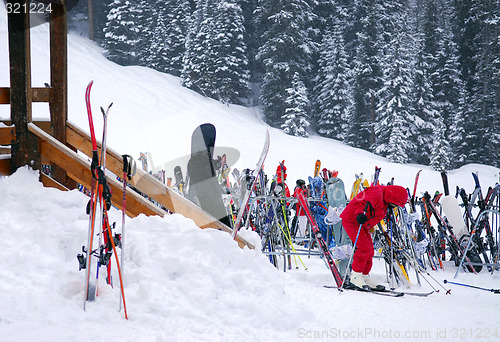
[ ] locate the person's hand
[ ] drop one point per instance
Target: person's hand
(361, 218)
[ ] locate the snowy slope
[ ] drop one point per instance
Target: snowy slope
(187, 284)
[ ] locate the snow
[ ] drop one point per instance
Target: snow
(187, 284)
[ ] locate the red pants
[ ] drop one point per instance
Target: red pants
(362, 259)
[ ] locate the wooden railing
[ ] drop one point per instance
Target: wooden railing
(77, 166)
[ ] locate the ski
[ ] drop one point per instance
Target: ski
(393, 293)
(248, 191)
(387, 293)
(319, 239)
(105, 198)
(101, 193)
(376, 176)
(85, 261)
(317, 166)
(129, 170)
(179, 180)
(415, 294)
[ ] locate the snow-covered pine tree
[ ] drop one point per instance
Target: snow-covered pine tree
(333, 90)
(168, 35)
(457, 134)
(487, 85)
(466, 28)
(156, 49)
(420, 107)
(395, 128)
(450, 97)
(230, 63)
(448, 91)
(251, 37)
(178, 17)
(367, 77)
(215, 62)
(441, 152)
(296, 109)
(425, 109)
(196, 60)
(286, 48)
(123, 41)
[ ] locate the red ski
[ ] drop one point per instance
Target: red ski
(330, 262)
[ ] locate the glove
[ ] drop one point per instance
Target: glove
(361, 218)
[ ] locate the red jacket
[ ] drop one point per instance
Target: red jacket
(379, 196)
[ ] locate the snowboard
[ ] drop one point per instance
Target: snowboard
(335, 192)
(204, 187)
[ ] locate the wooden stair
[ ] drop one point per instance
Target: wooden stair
(75, 160)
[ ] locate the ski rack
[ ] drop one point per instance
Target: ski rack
(78, 168)
(496, 263)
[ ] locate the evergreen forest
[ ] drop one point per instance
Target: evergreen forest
(416, 81)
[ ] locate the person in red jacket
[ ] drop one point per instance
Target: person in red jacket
(367, 209)
(300, 214)
(278, 186)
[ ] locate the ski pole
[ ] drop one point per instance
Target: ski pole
(128, 172)
(495, 291)
(350, 258)
(353, 249)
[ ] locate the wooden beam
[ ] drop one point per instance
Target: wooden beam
(40, 94)
(78, 168)
(59, 81)
(5, 168)
(37, 95)
(4, 95)
(24, 150)
(43, 124)
(7, 135)
(150, 186)
(49, 182)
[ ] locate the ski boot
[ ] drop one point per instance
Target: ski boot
(358, 282)
(372, 284)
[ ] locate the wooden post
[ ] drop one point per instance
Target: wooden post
(91, 19)
(25, 148)
(59, 82)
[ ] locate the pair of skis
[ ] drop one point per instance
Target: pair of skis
(386, 292)
(255, 175)
(100, 193)
(327, 257)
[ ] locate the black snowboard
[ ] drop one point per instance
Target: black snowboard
(203, 185)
